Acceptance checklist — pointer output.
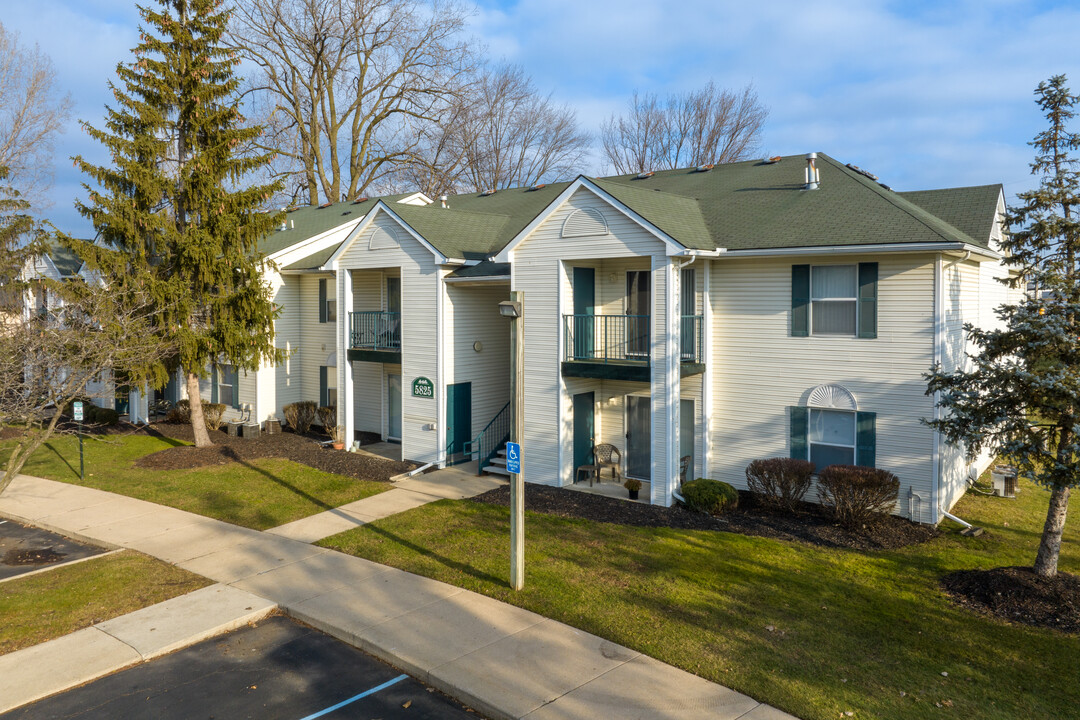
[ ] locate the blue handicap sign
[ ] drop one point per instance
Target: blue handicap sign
(513, 457)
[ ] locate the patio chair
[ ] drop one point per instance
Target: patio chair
(607, 456)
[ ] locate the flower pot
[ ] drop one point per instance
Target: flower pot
(633, 494)
(339, 446)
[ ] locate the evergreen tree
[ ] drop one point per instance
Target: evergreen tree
(1022, 396)
(173, 201)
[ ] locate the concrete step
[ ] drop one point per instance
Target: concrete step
(497, 470)
(498, 460)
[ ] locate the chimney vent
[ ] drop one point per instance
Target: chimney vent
(442, 201)
(282, 220)
(812, 176)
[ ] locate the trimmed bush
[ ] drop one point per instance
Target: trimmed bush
(179, 413)
(858, 496)
(780, 482)
(213, 414)
(710, 496)
(327, 417)
(102, 416)
(300, 415)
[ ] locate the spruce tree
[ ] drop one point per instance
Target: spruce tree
(173, 203)
(1021, 397)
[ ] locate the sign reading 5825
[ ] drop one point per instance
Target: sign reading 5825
(423, 387)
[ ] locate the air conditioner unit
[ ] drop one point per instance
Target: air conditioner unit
(1004, 479)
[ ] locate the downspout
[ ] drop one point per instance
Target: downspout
(939, 323)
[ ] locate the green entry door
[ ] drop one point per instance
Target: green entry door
(458, 422)
(584, 430)
(584, 309)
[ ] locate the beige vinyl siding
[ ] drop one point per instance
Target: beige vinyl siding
(420, 329)
(317, 340)
(476, 318)
(760, 370)
(541, 271)
(691, 388)
(287, 374)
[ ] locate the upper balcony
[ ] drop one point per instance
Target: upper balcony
(617, 347)
(375, 336)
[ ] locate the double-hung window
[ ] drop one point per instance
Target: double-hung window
(327, 302)
(834, 300)
(226, 385)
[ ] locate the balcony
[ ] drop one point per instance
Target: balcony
(616, 347)
(375, 336)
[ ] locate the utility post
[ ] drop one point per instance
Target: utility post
(514, 309)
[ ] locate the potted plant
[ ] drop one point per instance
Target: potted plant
(337, 434)
(633, 485)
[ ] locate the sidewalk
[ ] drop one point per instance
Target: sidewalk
(503, 661)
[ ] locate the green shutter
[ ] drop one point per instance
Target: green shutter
(868, 277)
(865, 438)
(800, 300)
(323, 390)
(235, 380)
(800, 421)
(322, 300)
(213, 383)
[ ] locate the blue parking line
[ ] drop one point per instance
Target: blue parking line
(353, 699)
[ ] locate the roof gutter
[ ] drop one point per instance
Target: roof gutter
(950, 247)
(478, 279)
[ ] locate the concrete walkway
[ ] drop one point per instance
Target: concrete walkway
(454, 483)
(503, 661)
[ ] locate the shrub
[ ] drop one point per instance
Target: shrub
(328, 418)
(300, 415)
(179, 413)
(858, 496)
(213, 413)
(102, 416)
(780, 482)
(710, 496)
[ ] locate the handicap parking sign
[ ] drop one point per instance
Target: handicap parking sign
(513, 457)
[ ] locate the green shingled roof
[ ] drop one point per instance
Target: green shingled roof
(67, 262)
(738, 206)
(971, 209)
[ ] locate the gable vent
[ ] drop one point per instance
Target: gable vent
(583, 222)
(833, 397)
(383, 239)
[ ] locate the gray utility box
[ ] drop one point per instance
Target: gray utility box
(1004, 479)
(251, 430)
(272, 427)
(233, 428)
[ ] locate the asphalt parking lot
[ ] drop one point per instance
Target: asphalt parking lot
(275, 669)
(24, 548)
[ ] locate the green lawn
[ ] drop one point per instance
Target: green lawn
(866, 632)
(257, 494)
(51, 604)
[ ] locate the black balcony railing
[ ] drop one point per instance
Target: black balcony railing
(375, 330)
(624, 338)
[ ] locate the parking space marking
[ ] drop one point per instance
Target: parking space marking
(354, 698)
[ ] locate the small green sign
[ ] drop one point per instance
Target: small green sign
(423, 387)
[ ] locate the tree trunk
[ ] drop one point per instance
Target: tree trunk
(1050, 545)
(198, 420)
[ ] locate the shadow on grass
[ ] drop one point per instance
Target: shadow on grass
(441, 559)
(225, 507)
(232, 455)
(74, 472)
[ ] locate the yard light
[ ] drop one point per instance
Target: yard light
(512, 309)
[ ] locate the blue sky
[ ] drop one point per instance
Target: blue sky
(923, 94)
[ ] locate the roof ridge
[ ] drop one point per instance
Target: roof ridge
(902, 204)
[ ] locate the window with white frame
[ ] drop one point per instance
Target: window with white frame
(831, 436)
(331, 310)
(331, 386)
(226, 385)
(833, 299)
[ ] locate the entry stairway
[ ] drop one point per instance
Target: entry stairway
(497, 464)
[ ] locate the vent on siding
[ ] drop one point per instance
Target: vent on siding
(384, 239)
(585, 221)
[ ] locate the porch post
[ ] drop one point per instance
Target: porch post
(344, 365)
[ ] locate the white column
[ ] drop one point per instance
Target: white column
(443, 335)
(664, 384)
(344, 366)
(707, 378)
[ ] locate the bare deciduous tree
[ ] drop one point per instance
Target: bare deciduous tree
(342, 83)
(685, 130)
(31, 113)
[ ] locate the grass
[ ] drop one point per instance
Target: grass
(52, 604)
(257, 494)
(815, 631)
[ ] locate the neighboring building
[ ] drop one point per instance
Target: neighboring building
(723, 314)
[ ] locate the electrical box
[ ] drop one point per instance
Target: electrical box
(1004, 479)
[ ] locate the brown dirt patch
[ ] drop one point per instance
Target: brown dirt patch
(811, 524)
(287, 445)
(1017, 594)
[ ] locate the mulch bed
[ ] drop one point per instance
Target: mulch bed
(811, 524)
(300, 449)
(1017, 594)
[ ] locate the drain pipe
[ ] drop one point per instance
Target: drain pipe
(969, 529)
(411, 473)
